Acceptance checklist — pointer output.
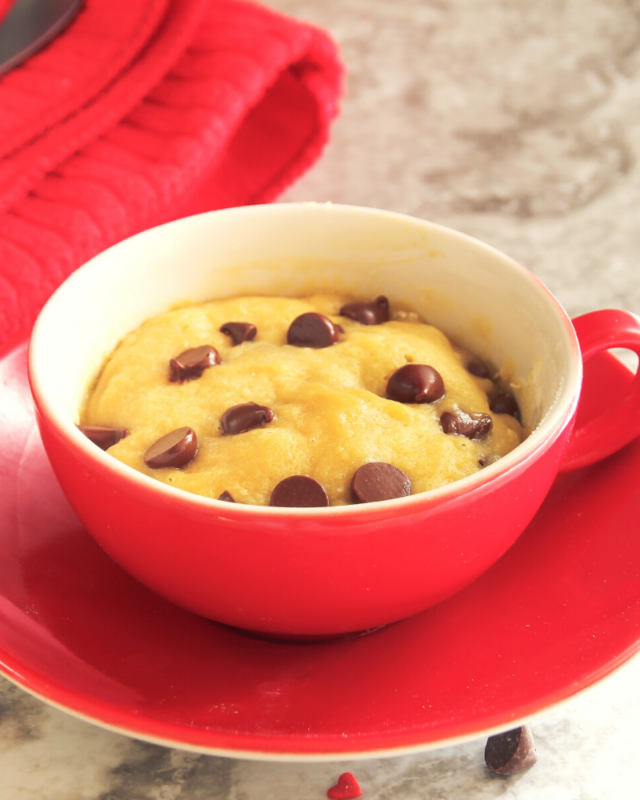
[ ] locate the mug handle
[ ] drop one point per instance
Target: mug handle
(611, 430)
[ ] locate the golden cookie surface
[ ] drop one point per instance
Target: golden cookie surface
(330, 413)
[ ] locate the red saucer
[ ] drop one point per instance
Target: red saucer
(558, 612)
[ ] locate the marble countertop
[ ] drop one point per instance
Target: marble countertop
(518, 123)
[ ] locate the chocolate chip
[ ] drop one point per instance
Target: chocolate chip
(227, 497)
(244, 417)
(313, 330)
(373, 313)
(478, 369)
(511, 752)
(505, 404)
(193, 362)
(469, 424)
(486, 461)
(239, 331)
(176, 449)
(102, 436)
(299, 491)
(379, 481)
(415, 383)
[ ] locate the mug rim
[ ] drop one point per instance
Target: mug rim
(545, 433)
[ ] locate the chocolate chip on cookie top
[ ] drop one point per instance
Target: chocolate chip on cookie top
(239, 331)
(505, 403)
(299, 491)
(102, 435)
(463, 423)
(379, 481)
(192, 363)
(175, 449)
(244, 417)
(374, 313)
(313, 330)
(415, 383)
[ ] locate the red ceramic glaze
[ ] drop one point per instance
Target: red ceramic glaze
(559, 611)
(619, 423)
(285, 575)
(327, 571)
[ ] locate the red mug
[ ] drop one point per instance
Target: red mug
(326, 571)
(597, 332)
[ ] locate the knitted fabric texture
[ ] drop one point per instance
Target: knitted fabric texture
(143, 111)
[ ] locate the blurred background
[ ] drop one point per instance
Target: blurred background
(517, 123)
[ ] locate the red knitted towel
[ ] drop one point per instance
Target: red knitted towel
(4, 7)
(143, 111)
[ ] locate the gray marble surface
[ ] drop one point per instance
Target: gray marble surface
(518, 123)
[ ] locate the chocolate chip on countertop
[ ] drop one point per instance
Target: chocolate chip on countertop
(176, 449)
(227, 497)
(103, 436)
(313, 330)
(478, 369)
(299, 491)
(379, 481)
(373, 313)
(415, 383)
(505, 404)
(193, 362)
(511, 752)
(239, 331)
(469, 424)
(245, 417)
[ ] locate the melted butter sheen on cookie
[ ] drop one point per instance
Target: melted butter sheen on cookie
(332, 410)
